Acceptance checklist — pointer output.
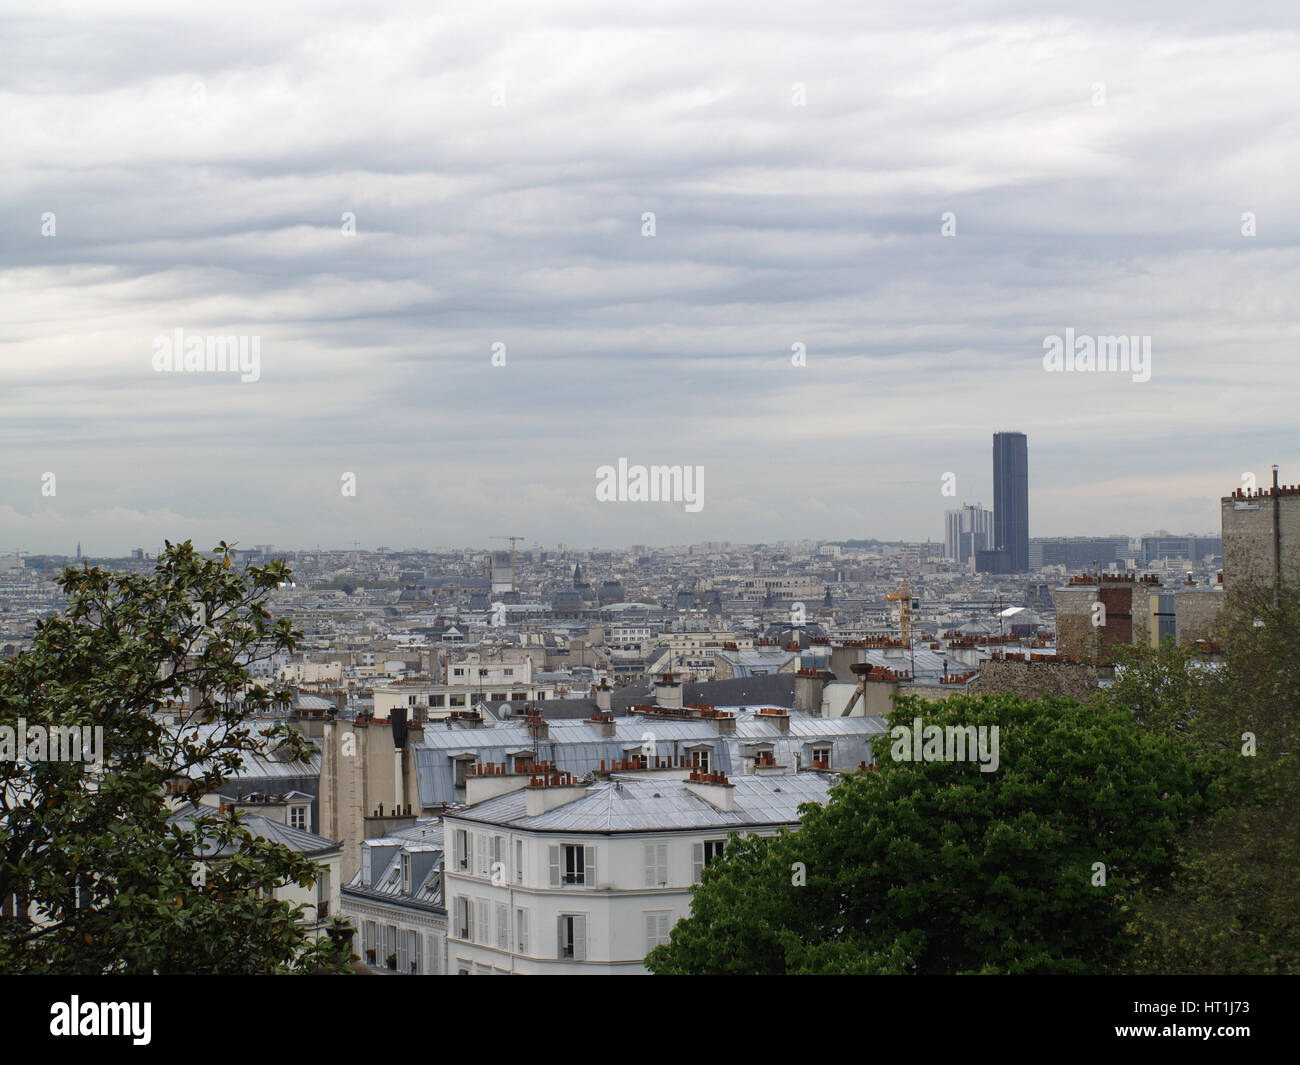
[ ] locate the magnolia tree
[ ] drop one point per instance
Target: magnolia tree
(139, 697)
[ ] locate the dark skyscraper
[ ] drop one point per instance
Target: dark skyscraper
(1011, 498)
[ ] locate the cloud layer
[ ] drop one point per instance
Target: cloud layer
(198, 170)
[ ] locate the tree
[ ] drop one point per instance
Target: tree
(1231, 905)
(933, 866)
(160, 663)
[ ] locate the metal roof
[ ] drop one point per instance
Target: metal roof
(658, 805)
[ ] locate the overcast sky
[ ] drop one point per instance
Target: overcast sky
(198, 161)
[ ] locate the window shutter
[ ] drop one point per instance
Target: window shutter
(519, 861)
(403, 952)
(697, 862)
(484, 927)
(651, 932)
(417, 952)
(503, 926)
(589, 866)
(650, 867)
(661, 864)
(559, 936)
(469, 921)
(555, 866)
(522, 922)
(665, 926)
(579, 938)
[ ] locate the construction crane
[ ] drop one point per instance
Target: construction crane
(512, 540)
(904, 599)
(905, 604)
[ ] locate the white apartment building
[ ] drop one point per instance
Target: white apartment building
(570, 878)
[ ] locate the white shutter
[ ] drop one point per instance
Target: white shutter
(417, 951)
(522, 923)
(559, 935)
(665, 926)
(503, 926)
(650, 867)
(519, 861)
(469, 921)
(589, 866)
(555, 866)
(651, 932)
(403, 952)
(697, 862)
(484, 927)
(579, 938)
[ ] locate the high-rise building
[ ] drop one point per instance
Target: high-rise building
(967, 530)
(1011, 499)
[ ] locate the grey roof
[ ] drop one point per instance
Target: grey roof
(424, 838)
(296, 839)
(664, 804)
(578, 747)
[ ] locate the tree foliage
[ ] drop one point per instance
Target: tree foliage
(116, 879)
(937, 867)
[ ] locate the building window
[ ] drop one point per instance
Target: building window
(464, 919)
(298, 817)
(406, 873)
(459, 767)
(519, 861)
(417, 952)
(700, 760)
(503, 926)
(498, 697)
(461, 851)
(656, 865)
(437, 700)
(455, 700)
(481, 924)
(573, 864)
(822, 754)
(704, 853)
(572, 930)
(458, 672)
(658, 925)
(521, 930)
(510, 672)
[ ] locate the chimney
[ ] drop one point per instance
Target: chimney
(537, 726)
(668, 692)
(713, 788)
(779, 716)
(549, 790)
(603, 723)
(603, 695)
(725, 722)
(808, 684)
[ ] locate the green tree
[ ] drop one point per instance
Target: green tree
(161, 663)
(1232, 904)
(937, 867)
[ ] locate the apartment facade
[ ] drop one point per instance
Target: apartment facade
(558, 877)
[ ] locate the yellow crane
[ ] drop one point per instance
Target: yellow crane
(904, 599)
(512, 540)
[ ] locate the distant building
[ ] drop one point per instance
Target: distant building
(1011, 498)
(1078, 553)
(967, 531)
